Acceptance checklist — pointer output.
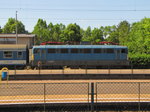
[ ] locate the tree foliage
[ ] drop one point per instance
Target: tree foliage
(139, 37)
(123, 30)
(87, 34)
(71, 33)
(136, 35)
(41, 31)
(10, 26)
(96, 35)
(110, 33)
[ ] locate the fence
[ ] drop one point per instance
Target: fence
(74, 96)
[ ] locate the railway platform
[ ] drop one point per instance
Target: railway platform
(79, 74)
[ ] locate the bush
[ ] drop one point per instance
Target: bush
(140, 60)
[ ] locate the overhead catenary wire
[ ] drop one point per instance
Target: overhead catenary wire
(76, 10)
(78, 19)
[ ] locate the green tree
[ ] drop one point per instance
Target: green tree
(55, 31)
(96, 35)
(87, 34)
(50, 31)
(41, 31)
(10, 26)
(71, 33)
(110, 33)
(139, 37)
(123, 30)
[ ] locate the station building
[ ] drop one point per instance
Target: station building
(26, 39)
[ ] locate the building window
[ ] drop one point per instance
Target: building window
(20, 54)
(97, 50)
(74, 51)
(8, 54)
(63, 50)
(36, 51)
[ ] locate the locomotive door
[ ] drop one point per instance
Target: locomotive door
(117, 54)
(43, 55)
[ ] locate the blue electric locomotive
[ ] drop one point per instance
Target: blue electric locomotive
(79, 55)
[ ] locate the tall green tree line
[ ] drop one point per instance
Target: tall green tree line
(136, 35)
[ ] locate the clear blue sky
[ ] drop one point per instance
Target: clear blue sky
(94, 13)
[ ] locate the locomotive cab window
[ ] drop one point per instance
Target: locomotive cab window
(36, 51)
(8, 54)
(74, 51)
(19, 54)
(63, 50)
(123, 51)
(51, 50)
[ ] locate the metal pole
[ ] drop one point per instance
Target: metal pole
(108, 69)
(15, 70)
(88, 96)
(16, 29)
(39, 70)
(96, 94)
(86, 69)
(44, 97)
(92, 97)
(131, 68)
(139, 96)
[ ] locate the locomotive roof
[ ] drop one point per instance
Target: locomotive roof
(12, 46)
(79, 46)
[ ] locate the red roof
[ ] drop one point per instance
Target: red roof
(51, 43)
(109, 43)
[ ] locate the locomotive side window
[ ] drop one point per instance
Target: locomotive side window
(51, 50)
(81, 50)
(36, 51)
(74, 51)
(7, 54)
(86, 50)
(97, 51)
(123, 51)
(63, 50)
(109, 50)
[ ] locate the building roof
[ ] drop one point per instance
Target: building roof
(19, 35)
(12, 46)
(79, 46)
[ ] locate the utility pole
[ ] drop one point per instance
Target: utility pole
(16, 29)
